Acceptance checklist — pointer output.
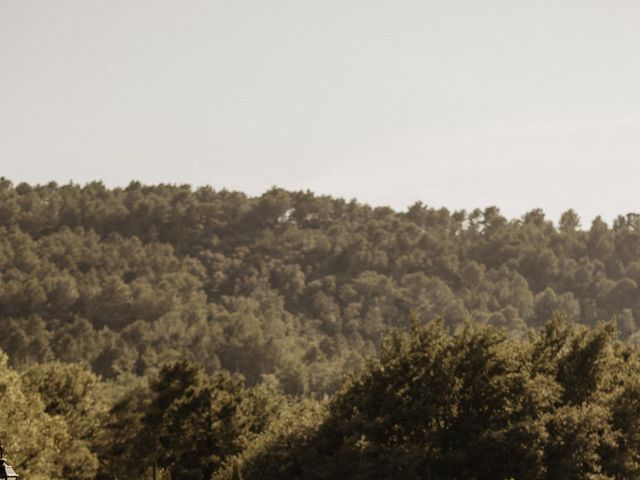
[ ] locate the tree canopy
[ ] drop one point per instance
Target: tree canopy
(208, 333)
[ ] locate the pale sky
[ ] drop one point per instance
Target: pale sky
(463, 104)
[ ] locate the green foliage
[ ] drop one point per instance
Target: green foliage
(288, 284)
(35, 437)
(185, 422)
(279, 449)
(473, 405)
(71, 391)
(129, 316)
(119, 448)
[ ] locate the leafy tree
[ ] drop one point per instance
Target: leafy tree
(35, 436)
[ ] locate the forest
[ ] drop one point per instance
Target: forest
(165, 331)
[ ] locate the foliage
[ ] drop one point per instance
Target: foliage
(473, 405)
(287, 285)
(71, 391)
(34, 436)
(194, 331)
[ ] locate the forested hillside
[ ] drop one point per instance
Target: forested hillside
(209, 333)
(289, 287)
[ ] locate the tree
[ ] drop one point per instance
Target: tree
(195, 422)
(38, 435)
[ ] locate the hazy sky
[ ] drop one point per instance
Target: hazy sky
(464, 104)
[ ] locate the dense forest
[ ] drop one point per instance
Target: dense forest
(200, 334)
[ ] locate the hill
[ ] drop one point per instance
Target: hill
(289, 287)
(202, 333)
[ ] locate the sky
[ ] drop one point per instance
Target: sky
(462, 104)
